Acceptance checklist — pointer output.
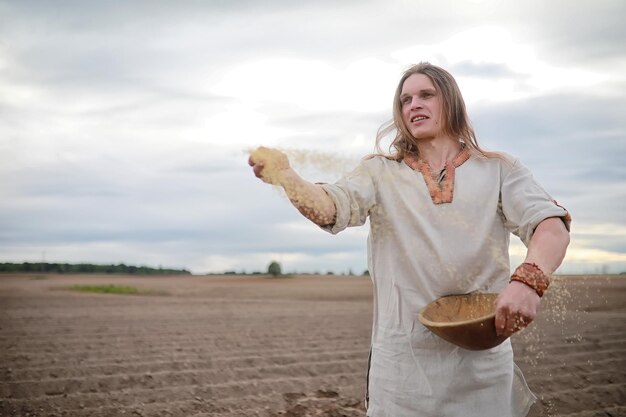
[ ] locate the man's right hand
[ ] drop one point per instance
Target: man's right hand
(269, 164)
(272, 166)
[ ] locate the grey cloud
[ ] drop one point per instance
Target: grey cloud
(598, 37)
(71, 10)
(574, 144)
(107, 41)
(225, 235)
(593, 204)
(61, 182)
(574, 124)
(482, 70)
(614, 244)
(346, 30)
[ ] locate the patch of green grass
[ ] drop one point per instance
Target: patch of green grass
(106, 289)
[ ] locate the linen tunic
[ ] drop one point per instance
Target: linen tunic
(419, 251)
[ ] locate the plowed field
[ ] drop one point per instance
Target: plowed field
(255, 346)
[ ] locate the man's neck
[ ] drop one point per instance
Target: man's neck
(436, 152)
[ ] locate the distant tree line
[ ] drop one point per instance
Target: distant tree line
(275, 269)
(64, 268)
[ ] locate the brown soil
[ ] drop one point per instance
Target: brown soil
(256, 346)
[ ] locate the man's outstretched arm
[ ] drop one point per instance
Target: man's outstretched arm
(272, 167)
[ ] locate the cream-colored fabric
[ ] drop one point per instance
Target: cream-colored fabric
(418, 252)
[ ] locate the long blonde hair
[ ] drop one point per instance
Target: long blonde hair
(456, 123)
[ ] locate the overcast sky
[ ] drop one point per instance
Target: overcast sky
(125, 125)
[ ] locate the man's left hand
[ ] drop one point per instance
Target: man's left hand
(516, 307)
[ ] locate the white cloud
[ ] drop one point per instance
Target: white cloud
(363, 85)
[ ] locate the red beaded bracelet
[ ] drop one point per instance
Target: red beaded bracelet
(530, 274)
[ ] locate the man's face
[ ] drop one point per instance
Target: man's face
(421, 107)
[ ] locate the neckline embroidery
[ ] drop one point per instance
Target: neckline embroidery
(440, 192)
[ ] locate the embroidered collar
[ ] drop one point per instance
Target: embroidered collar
(442, 192)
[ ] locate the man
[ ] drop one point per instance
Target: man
(441, 211)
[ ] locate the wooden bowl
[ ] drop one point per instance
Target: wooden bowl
(466, 320)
